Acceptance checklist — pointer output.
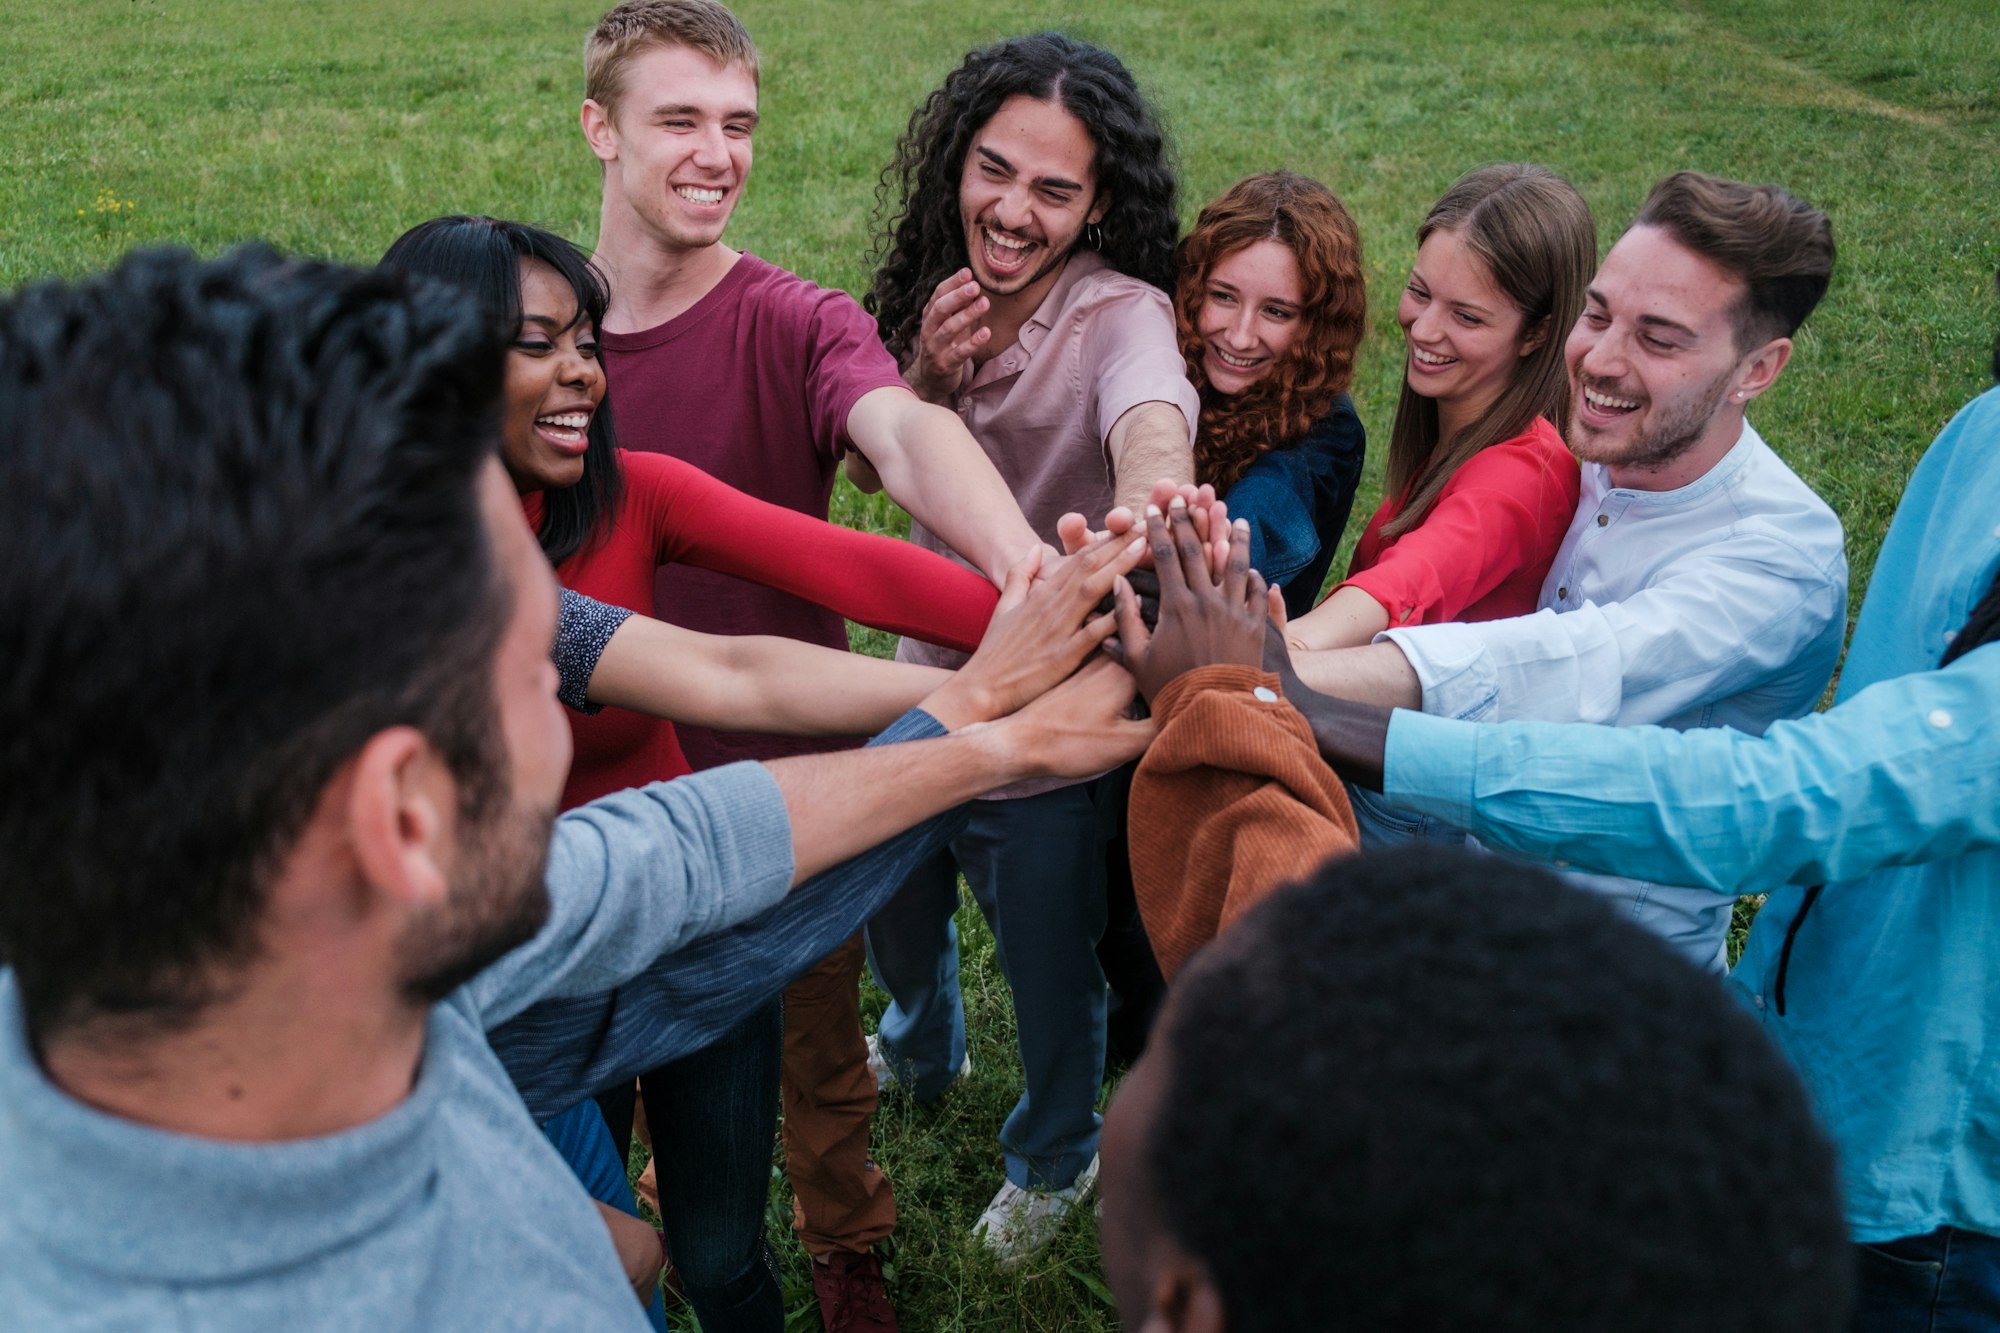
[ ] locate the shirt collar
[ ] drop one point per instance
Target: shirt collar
(1080, 265)
(1748, 443)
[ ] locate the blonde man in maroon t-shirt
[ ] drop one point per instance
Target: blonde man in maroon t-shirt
(766, 381)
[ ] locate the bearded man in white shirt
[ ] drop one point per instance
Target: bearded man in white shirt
(1701, 583)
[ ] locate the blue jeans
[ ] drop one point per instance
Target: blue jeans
(1384, 825)
(580, 1136)
(1036, 867)
(1944, 1282)
(714, 1119)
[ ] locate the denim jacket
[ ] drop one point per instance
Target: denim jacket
(1297, 499)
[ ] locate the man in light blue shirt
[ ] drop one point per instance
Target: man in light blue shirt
(281, 746)
(1701, 582)
(1874, 827)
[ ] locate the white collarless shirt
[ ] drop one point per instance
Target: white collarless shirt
(1720, 603)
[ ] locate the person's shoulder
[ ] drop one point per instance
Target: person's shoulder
(1768, 484)
(1537, 453)
(1099, 285)
(780, 290)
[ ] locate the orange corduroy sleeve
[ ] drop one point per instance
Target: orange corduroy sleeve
(1231, 801)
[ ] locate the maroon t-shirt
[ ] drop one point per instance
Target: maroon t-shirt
(753, 385)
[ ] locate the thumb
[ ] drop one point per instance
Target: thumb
(1019, 575)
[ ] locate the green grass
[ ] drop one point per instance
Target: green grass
(329, 129)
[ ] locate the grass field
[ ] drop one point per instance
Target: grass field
(331, 128)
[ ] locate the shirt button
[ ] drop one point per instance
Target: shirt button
(1263, 695)
(1757, 1000)
(1996, 532)
(1603, 519)
(1562, 592)
(1939, 718)
(1950, 634)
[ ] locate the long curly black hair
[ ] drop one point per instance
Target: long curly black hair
(922, 240)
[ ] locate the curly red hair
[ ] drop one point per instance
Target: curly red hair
(1307, 219)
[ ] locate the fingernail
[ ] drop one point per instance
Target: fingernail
(1177, 503)
(1138, 544)
(1152, 511)
(1242, 525)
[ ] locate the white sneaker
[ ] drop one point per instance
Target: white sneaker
(885, 1077)
(1019, 1224)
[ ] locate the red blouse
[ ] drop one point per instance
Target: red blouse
(1485, 547)
(673, 511)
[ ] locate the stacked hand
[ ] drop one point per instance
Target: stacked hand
(1213, 607)
(1067, 725)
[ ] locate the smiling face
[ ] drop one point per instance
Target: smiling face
(1654, 361)
(676, 147)
(1026, 193)
(554, 385)
(1249, 314)
(1464, 334)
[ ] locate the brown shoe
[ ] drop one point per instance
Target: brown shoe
(852, 1297)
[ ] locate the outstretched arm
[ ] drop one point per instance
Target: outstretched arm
(754, 682)
(930, 464)
(1907, 770)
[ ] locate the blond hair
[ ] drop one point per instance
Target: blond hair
(640, 25)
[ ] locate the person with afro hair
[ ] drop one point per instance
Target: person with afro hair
(1440, 1091)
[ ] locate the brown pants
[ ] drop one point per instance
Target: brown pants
(840, 1198)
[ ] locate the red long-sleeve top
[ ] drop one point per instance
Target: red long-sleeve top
(1485, 547)
(673, 511)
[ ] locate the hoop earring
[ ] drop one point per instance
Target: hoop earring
(1093, 235)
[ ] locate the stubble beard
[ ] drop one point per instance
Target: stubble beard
(498, 901)
(1661, 442)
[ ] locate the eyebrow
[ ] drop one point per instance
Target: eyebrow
(1052, 182)
(1594, 296)
(749, 114)
(549, 321)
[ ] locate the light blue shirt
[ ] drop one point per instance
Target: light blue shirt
(1891, 799)
(1719, 603)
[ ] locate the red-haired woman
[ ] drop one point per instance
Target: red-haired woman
(1270, 302)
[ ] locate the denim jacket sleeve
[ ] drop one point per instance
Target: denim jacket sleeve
(1298, 498)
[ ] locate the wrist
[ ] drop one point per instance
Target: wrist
(961, 702)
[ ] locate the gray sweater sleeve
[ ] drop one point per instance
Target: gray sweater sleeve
(640, 873)
(562, 1050)
(586, 627)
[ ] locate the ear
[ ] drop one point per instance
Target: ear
(1532, 340)
(401, 803)
(1098, 210)
(1184, 1300)
(598, 130)
(1761, 369)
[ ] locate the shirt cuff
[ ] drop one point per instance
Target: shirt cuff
(1453, 667)
(586, 627)
(915, 725)
(1429, 765)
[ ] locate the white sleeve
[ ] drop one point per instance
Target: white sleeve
(1749, 608)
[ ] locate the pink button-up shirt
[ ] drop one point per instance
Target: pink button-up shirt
(1100, 344)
